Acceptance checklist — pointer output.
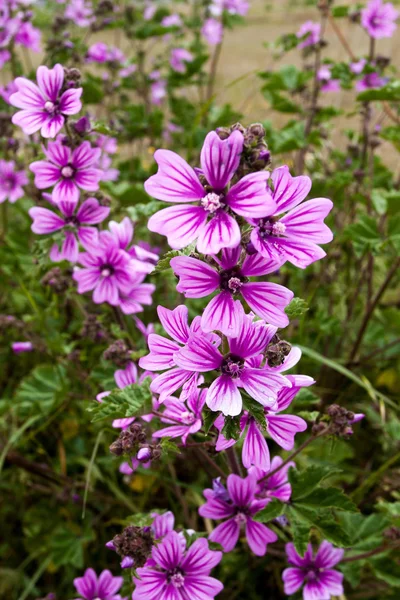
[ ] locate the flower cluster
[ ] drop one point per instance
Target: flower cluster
(16, 29)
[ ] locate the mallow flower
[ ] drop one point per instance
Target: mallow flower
(75, 223)
(11, 181)
(275, 486)
(379, 19)
(230, 277)
(67, 170)
(177, 573)
(314, 571)
(183, 418)
(237, 504)
(239, 368)
(102, 587)
(293, 231)
(44, 106)
(209, 218)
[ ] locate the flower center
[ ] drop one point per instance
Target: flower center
(232, 365)
(212, 202)
(187, 417)
(270, 227)
(67, 171)
(240, 518)
(9, 183)
(107, 270)
(312, 574)
(50, 107)
(72, 221)
(231, 280)
(176, 577)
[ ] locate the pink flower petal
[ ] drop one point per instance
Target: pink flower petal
(70, 103)
(175, 180)
(283, 428)
(255, 449)
(262, 385)
(52, 126)
(45, 220)
(222, 231)
(250, 197)
(46, 174)
(305, 222)
(220, 158)
(65, 190)
(223, 395)
(196, 278)
(293, 579)
(175, 322)
(181, 224)
(50, 81)
(224, 314)
(268, 301)
(289, 191)
(258, 536)
(28, 95)
(226, 534)
(29, 121)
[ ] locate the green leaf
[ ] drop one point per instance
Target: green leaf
(329, 497)
(365, 532)
(389, 92)
(209, 417)
(340, 11)
(273, 509)
(364, 234)
(331, 530)
(304, 482)
(296, 308)
(41, 391)
(67, 547)
(300, 528)
(129, 402)
(352, 572)
(310, 416)
(231, 429)
(387, 570)
(256, 410)
(379, 201)
(168, 448)
(164, 262)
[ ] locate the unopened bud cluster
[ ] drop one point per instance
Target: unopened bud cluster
(118, 353)
(340, 420)
(255, 155)
(135, 542)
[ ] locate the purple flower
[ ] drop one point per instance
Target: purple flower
(44, 106)
(158, 91)
(5, 56)
(230, 276)
(358, 66)
(294, 236)
(8, 90)
(233, 7)
(281, 428)
(213, 31)
(28, 36)
(379, 18)
(68, 170)
(239, 509)
(80, 12)
(240, 368)
(321, 581)
(185, 418)
(276, 486)
(207, 220)
(180, 56)
(313, 32)
(325, 77)
(163, 351)
(97, 52)
(103, 587)
(75, 224)
(371, 81)
(172, 21)
(107, 270)
(176, 573)
(11, 182)
(18, 347)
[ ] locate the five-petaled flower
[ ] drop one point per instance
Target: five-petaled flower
(209, 218)
(11, 182)
(198, 279)
(239, 368)
(292, 236)
(44, 106)
(314, 571)
(102, 587)
(68, 170)
(379, 19)
(238, 504)
(177, 573)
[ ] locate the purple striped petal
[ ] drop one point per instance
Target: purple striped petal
(175, 322)
(215, 508)
(45, 220)
(262, 385)
(196, 278)
(29, 121)
(199, 560)
(305, 222)
(169, 382)
(220, 158)
(328, 556)
(28, 95)
(107, 584)
(253, 338)
(84, 156)
(315, 590)
(66, 190)
(168, 553)
(88, 237)
(332, 580)
(87, 279)
(255, 448)
(224, 314)
(293, 579)
(161, 354)
(230, 257)
(268, 301)
(223, 395)
(52, 126)
(91, 212)
(70, 248)
(283, 428)
(106, 291)
(46, 174)
(299, 253)
(226, 534)
(88, 179)
(180, 224)
(221, 231)
(241, 491)
(258, 536)
(70, 103)
(86, 586)
(175, 180)
(250, 197)
(256, 265)
(198, 355)
(202, 587)
(123, 232)
(50, 81)
(58, 154)
(289, 191)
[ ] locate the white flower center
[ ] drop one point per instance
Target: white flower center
(211, 202)
(278, 228)
(187, 418)
(106, 272)
(178, 580)
(49, 106)
(240, 518)
(67, 171)
(234, 284)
